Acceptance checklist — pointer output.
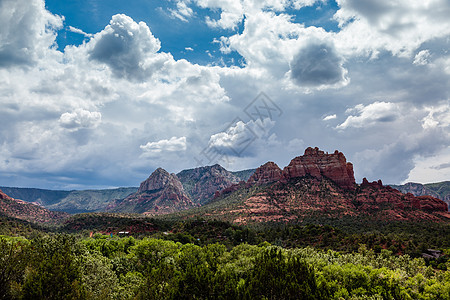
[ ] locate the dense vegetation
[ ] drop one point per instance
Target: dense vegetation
(61, 266)
(211, 259)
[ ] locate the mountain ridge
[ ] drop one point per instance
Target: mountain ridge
(440, 190)
(28, 211)
(321, 184)
(327, 173)
(160, 193)
(201, 183)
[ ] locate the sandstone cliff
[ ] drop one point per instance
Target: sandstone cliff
(320, 164)
(321, 185)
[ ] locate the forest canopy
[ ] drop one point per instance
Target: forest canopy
(62, 266)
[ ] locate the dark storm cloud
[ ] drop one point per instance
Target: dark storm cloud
(124, 46)
(371, 9)
(316, 65)
(9, 56)
(394, 161)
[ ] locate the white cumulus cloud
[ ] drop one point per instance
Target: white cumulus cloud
(438, 116)
(79, 31)
(26, 31)
(421, 58)
(183, 12)
(80, 119)
(329, 117)
(173, 144)
(398, 26)
(367, 115)
(241, 138)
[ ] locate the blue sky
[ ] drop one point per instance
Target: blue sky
(176, 34)
(97, 94)
(192, 40)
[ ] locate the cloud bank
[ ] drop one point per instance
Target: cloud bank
(371, 80)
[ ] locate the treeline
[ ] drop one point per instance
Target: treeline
(339, 235)
(60, 266)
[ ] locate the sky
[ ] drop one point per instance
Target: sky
(98, 94)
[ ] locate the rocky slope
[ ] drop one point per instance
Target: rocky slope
(317, 185)
(27, 211)
(440, 190)
(375, 196)
(244, 175)
(201, 183)
(267, 173)
(161, 193)
(90, 200)
(69, 201)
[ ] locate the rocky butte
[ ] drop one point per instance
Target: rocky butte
(321, 185)
(267, 173)
(161, 193)
(314, 162)
(319, 164)
(374, 196)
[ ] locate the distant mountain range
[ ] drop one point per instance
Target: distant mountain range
(164, 193)
(200, 184)
(69, 201)
(19, 209)
(314, 185)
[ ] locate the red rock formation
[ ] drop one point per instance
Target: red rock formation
(440, 190)
(329, 191)
(159, 179)
(430, 203)
(365, 183)
(374, 196)
(267, 173)
(27, 211)
(161, 193)
(319, 164)
(4, 196)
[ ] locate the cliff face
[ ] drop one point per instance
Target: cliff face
(314, 162)
(202, 183)
(160, 179)
(27, 211)
(161, 193)
(321, 185)
(267, 173)
(440, 190)
(320, 164)
(374, 195)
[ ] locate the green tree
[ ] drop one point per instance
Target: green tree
(277, 276)
(12, 264)
(53, 272)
